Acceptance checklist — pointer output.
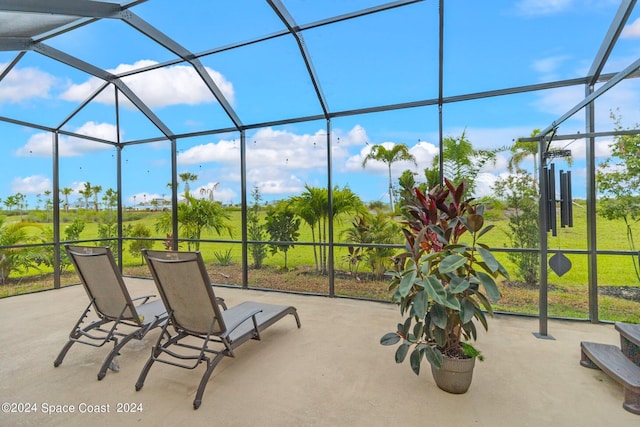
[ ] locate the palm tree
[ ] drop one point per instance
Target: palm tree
(110, 198)
(398, 152)
(310, 206)
(47, 201)
(86, 192)
(196, 216)
(65, 192)
(96, 189)
(10, 202)
(313, 207)
(523, 149)
(187, 177)
(209, 191)
(462, 162)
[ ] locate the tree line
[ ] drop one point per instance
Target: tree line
(274, 229)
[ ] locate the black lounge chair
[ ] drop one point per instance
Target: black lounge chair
(118, 319)
(183, 284)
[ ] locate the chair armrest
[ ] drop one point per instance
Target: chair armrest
(145, 297)
(233, 322)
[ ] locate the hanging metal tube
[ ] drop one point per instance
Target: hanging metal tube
(56, 210)
(331, 272)
(243, 191)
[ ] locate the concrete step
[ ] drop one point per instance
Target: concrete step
(630, 341)
(614, 363)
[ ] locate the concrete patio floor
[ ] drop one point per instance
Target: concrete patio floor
(331, 372)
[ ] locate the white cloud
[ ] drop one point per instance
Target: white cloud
(275, 181)
(631, 31)
(41, 144)
(549, 65)
(623, 97)
(278, 161)
(542, 7)
(484, 184)
(559, 101)
(269, 147)
(222, 151)
(25, 83)
(424, 153)
(178, 84)
(31, 184)
(499, 165)
(356, 136)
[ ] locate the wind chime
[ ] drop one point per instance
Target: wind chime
(558, 263)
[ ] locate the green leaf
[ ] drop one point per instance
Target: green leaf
(415, 359)
(457, 285)
(471, 351)
(484, 231)
(407, 281)
(434, 357)
(467, 309)
(452, 302)
(390, 338)
(420, 302)
(470, 329)
(434, 288)
(401, 352)
(418, 329)
(485, 302)
(406, 327)
(504, 272)
(440, 336)
(489, 285)
(439, 316)
(482, 318)
(489, 259)
(451, 263)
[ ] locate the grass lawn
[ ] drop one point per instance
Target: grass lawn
(568, 295)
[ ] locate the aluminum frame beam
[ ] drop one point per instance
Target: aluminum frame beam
(92, 9)
(15, 43)
(303, 27)
(595, 94)
(168, 43)
(296, 32)
(610, 39)
(12, 64)
(103, 75)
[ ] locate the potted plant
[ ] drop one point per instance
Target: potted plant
(443, 285)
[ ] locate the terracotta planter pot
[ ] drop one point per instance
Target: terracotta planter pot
(454, 376)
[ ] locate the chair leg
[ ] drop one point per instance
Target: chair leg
(63, 353)
(295, 314)
(155, 352)
(145, 371)
(205, 379)
(76, 333)
(113, 353)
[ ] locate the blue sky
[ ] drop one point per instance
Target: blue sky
(380, 59)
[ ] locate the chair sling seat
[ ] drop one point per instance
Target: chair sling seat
(119, 320)
(195, 316)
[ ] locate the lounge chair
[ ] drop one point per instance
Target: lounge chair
(118, 319)
(195, 317)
